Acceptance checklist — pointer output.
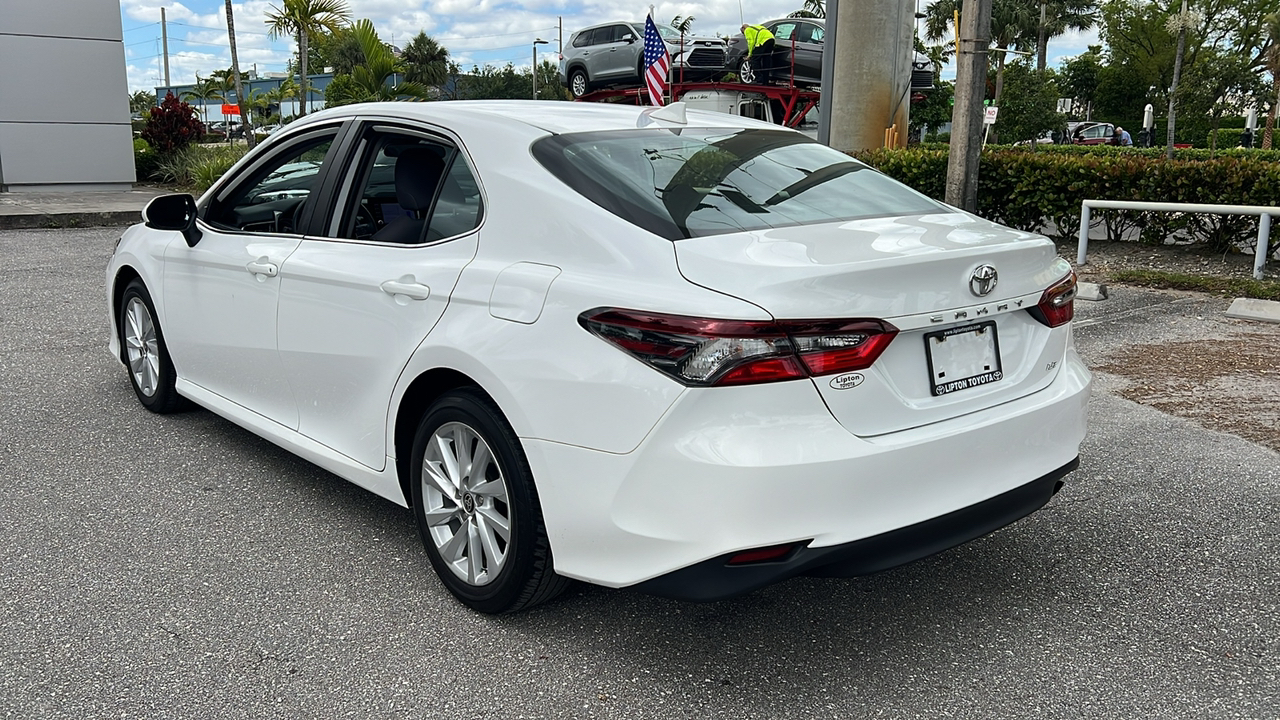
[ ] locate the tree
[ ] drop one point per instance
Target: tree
(1273, 64)
(812, 9)
(1180, 23)
(1031, 104)
(426, 62)
(369, 82)
(141, 102)
(934, 110)
(1079, 79)
(302, 19)
(245, 118)
(683, 24)
(1058, 16)
(338, 50)
(209, 89)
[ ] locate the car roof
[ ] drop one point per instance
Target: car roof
(555, 117)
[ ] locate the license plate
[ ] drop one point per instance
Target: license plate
(963, 357)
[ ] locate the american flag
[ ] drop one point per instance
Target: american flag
(656, 62)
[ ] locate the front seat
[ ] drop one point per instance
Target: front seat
(418, 172)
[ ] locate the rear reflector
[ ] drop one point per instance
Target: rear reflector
(1057, 304)
(764, 554)
(707, 351)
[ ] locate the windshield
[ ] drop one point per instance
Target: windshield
(692, 182)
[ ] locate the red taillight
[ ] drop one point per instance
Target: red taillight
(705, 351)
(1057, 306)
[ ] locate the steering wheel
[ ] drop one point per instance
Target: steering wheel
(366, 223)
(287, 222)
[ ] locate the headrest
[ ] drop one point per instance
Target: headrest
(418, 171)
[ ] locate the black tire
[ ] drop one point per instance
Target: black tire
(579, 83)
(525, 576)
(151, 371)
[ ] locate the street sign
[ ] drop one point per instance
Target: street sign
(230, 109)
(989, 115)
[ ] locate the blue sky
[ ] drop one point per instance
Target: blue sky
(474, 31)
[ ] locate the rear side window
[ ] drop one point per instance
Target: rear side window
(692, 182)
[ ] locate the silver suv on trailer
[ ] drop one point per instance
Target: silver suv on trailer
(613, 54)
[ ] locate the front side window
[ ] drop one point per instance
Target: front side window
(691, 182)
(784, 30)
(272, 198)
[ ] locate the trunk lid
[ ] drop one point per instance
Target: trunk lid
(914, 272)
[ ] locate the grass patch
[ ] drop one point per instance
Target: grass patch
(1228, 287)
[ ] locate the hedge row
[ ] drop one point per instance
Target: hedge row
(1038, 191)
(1153, 152)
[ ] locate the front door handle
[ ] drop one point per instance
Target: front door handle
(263, 268)
(411, 290)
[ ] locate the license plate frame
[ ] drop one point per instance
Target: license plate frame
(979, 346)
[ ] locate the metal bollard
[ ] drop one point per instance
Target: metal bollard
(1260, 252)
(1084, 234)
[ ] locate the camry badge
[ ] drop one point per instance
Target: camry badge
(983, 280)
(844, 382)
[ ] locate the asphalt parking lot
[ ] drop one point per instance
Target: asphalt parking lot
(179, 567)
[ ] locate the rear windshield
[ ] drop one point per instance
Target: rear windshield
(691, 182)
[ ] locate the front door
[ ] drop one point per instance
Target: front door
(220, 295)
(358, 299)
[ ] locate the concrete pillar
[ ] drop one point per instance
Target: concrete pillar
(870, 87)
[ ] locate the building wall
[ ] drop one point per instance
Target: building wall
(72, 134)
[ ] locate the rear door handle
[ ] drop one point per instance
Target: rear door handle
(411, 290)
(263, 268)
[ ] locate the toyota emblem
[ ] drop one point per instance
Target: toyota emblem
(983, 280)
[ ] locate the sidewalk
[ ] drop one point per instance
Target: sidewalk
(22, 210)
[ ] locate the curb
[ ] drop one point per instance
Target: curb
(33, 221)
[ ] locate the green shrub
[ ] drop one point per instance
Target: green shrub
(145, 160)
(197, 168)
(1026, 189)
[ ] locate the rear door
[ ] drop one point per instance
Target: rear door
(809, 41)
(353, 306)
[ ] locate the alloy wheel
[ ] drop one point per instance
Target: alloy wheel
(141, 346)
(466, 508)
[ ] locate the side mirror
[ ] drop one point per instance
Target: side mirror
(173, 212)
(628, 38)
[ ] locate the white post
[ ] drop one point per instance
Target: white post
(1084, 234)
(1260, 252)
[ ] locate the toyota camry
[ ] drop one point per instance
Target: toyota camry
(681, 352)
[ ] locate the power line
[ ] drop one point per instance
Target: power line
(139, 27)
(481, 37)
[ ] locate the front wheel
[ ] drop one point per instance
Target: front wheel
(578, 84)
(151, 371)
(745, 72)
(477, 509)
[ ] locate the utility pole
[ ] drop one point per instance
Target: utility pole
(560, 40)
(871, 74)
(973, 37)
(164, 41)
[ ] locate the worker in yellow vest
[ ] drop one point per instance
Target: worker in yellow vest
(759, 51)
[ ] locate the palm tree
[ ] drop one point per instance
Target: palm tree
(1059, 16)
(812, 9)
(302, 19)
(426, 62)
(245, 117)
(368, 82)
(1013, 27)
(1273, 64)
(141, 102)
(683, 25)
(209, 89)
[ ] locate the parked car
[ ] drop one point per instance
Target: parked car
(1091, 133)
(807, 37)
(613, 54)
(684, 352)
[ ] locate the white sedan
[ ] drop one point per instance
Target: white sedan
(685, 353)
